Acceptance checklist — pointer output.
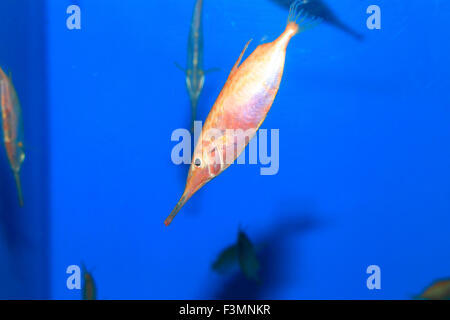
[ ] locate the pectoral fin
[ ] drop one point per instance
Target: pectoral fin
(180, 67)
(211, 70)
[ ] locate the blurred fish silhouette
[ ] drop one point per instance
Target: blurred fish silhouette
(439, 290)
(227, 260)
(319, 9)
(195, 75)
(274, 248)
(243, 253)
(89, 289)
(12, 128)
(248, 259)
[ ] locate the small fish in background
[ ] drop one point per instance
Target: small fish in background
(439, 290)
(195, 75)
(242, 105)
(227, 260)
(319, 9)
(248, 260)
(242, 254)
(89, 289)
(275, 247)
(12, 128)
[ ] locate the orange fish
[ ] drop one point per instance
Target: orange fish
(12, 128)
(439, 290)
(89, 291)
(242, 106)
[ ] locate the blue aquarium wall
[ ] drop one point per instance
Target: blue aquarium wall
(24, 232)
(364, 176)
(364, 135)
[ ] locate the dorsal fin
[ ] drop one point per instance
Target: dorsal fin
(236, 65)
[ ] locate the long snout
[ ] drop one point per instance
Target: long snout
(175, 211)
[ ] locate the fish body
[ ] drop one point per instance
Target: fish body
(227, 259)
(12, 128)
(89, 290)
(195, 75)
(242, 106)
(248, 260)
(440, 290)
(319, 9)
(243, 254)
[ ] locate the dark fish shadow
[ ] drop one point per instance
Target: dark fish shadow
(12, 219)
(274, 249)
(319, 9)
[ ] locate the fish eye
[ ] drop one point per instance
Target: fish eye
(197, 162)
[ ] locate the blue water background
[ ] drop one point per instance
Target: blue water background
(364, 152)
(24, 232)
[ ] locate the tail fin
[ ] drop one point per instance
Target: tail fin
(300, 19)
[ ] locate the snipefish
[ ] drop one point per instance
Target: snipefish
(12, 128)
(242, 105)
